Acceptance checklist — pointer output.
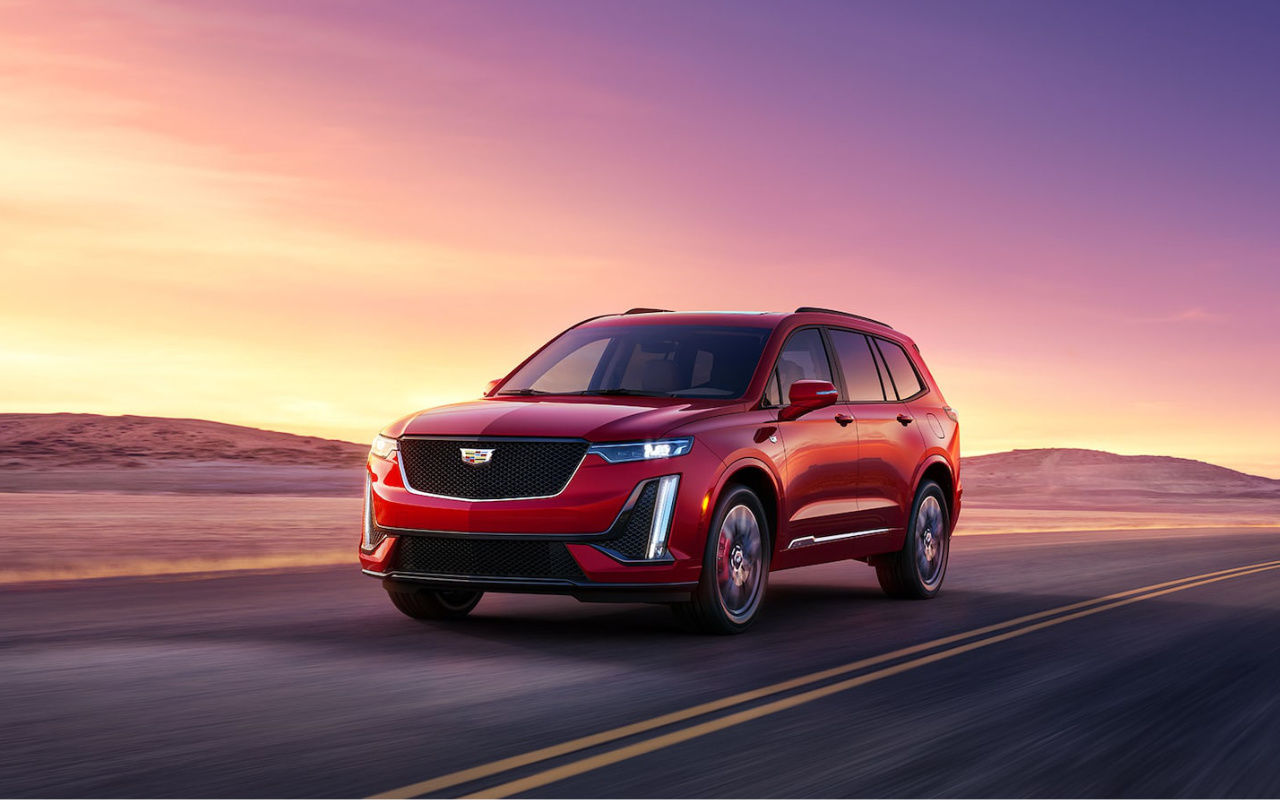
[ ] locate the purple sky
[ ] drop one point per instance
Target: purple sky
(1072, 207)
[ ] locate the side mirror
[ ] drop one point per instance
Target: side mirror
(491, 385)
(806, 396)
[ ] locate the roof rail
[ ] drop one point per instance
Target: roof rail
(817, 310)
(646, 311)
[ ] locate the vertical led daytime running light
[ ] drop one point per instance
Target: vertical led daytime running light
(664, 508)
(366, 540)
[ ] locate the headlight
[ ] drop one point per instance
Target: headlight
(642, 451)
(383, 446)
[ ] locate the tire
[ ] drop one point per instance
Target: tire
(735, 567)
(434, 605)
(916, 571)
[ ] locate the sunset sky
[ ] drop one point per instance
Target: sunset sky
(316, 217)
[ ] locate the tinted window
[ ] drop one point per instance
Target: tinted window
(663, 360)
(703, 364)
(900, 369)
(861, 377)
(803, 358)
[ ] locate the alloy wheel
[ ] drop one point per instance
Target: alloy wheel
(931, 541)
(740, 563)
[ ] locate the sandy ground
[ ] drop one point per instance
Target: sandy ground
(50, 536)
(85, 495)
(189, 477)
(67, 535)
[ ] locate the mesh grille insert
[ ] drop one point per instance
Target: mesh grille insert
(517, 467)
(489, 558)
(633, 540)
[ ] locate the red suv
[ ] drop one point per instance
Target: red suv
(674, 458)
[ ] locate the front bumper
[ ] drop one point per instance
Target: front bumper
(590, 541)
(533, 563)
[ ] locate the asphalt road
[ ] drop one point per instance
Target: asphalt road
(309, 683)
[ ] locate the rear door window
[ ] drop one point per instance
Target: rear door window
(861, 376)
(903, 373)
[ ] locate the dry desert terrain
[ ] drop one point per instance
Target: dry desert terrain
(87, 496)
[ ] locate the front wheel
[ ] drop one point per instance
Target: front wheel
(431, 604)
(735, 567)
(916, 571)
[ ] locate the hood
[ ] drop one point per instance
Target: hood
(592, 418)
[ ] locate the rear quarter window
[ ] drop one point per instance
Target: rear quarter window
(905, 378)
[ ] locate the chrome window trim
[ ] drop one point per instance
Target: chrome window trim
(809, 541)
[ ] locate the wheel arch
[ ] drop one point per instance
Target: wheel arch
(937, 469)
(757, 477)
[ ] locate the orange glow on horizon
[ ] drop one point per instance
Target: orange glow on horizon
(313, 226)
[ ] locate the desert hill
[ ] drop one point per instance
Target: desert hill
(142, 495)
(76, 440)
(91, 452)
(1073, 478)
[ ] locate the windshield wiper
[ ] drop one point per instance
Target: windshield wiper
(625, 393)
(523, 392)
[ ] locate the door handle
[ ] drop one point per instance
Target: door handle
(905, 420)
(843, 419)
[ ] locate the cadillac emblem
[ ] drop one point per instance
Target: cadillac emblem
(471, 455)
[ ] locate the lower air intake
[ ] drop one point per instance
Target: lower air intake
(484, 558)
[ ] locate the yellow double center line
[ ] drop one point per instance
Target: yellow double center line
(1019, 626)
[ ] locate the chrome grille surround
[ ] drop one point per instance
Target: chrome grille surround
(520, 468)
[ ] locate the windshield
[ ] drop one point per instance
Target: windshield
(645, 360)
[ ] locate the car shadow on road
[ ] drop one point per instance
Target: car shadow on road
(794, 618)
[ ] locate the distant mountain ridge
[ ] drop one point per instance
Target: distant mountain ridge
(79, 452)
(96, 440)
(1077, 477)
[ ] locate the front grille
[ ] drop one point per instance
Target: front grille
(517, 468)
(487, 558)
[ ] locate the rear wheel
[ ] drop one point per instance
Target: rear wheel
(432, 604)
(735, 567)
(916, 571)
